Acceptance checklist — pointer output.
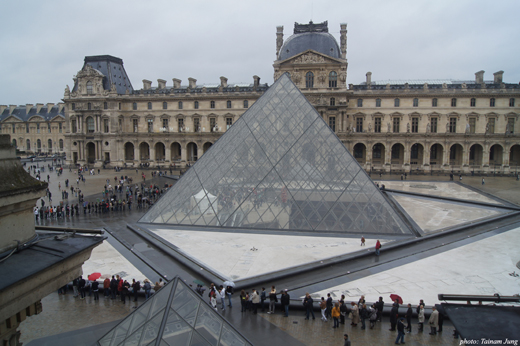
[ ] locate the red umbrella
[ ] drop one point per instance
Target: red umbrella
(94, 276)
(395, 296)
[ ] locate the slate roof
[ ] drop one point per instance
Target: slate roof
(113, 70)
(432, 85)
(21, 113)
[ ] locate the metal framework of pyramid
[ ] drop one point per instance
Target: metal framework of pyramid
(279, 167)
(175, 315)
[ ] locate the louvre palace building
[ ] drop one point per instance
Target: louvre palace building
(401, 126)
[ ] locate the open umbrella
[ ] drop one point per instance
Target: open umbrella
(94, 276)
(198, 282)
(229, 283)
(395, 296)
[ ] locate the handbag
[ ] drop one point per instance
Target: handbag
(350, 315)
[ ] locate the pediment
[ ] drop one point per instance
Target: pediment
(12, 119)
(310, 56)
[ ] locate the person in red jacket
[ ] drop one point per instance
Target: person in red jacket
(106, 287)
(378, 247)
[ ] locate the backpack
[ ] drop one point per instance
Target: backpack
(147, 286)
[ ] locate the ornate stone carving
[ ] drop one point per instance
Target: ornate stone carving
(309, 58)
(88, 71)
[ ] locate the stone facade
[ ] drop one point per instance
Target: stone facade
(439, 125)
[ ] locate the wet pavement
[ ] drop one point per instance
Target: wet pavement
(64, 313)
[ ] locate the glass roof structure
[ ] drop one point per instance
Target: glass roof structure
(279, 167)
(175, 315)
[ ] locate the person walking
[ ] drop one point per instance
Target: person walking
(272, 300)
(354, 310)
(147, 288)
(113, 287)
(483, 182)
(307, 302)
(136, 287)
(363, 313)
(346, 340)
(229, 293)
(222, 293)
(81, 286)
(243, 300)
(323, 307)
(263, 298)
(400, 331)
(420, 317)
(378, 247)
(335, 315)
(379, 306)
(434, 321)
(328, 310)
(95, 289)
(362, 241)
(394, 314)
(286, 298)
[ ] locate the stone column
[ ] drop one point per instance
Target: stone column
(152, 152)
(136, 152)
(167, 152)
(184, 150)
(406, 160)
(505, 160)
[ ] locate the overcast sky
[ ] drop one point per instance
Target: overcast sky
(44, 42)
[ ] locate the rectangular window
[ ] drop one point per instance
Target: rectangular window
(395, 151)
(416, 102)
(27, 128)
(454, 102)
(359, 124)
(60, 128)
(511, 125)
(378, 102)
(473, 102)
(150, 125)
(74, 126)
(472, 125)
(511, 102)
(396, 122)
(434, 125)
(229, 122)
(135, 125)
(396, 103)
(37, 128)
(377, 125)
(453, 125)
(14, 128)
(360, 102)
(119, 106)
(415, 125)
(196, 124)
(491, 125)
(48, 128)
(106, 129)
(180, 124)
(434, 102)
(332, 123)
(165, 125)
(212, 124)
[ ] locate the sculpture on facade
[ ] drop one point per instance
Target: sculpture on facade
(428, 128)
(389, 127)
(467, 128)
(447, 127)
(370, 127)
(408, 127)
(508, 128)
(487, 128)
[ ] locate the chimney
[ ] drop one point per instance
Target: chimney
(39, 107)
(161, 84)
(147, 85)
(12, 108)
(2, 108)
(192, 82)
(223, 82)
(27, 108)
(49, 106)
(256, 82)
(498, 77)
(279, 39)
(369, 78)
(343, 40)
(479, 77)
(176, 83)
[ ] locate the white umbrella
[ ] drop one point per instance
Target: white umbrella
(229, 283)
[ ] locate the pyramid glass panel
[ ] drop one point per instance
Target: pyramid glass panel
(187, 320)
(279, 167)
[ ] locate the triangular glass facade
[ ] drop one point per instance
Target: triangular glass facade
(175, 315)
(278, 167)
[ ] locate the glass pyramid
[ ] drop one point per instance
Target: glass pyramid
(175, 315)
(278, 167)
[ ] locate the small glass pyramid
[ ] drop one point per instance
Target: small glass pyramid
(175, 315)
(279, 167)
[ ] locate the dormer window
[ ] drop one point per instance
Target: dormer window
(90, 89)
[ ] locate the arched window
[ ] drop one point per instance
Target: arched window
(28, 144)
(149, 105)
(434, 102)
(246, 103)
(333, 79)
(165, 105)
(90, 125)
(196, 104)
(61, 144)
(416, 102)
(332, 101)
(228, 104)
(90, 89)
(472, 102)
(396, 102)
(309, 80)
(212, 104)
(180, 104)
(14, 143)
(492, 102)
(38, 144)
(378, 102)
(49, 144)
(134, 106)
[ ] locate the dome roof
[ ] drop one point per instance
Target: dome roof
(322, 42)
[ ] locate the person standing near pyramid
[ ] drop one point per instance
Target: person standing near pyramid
(378, 247)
